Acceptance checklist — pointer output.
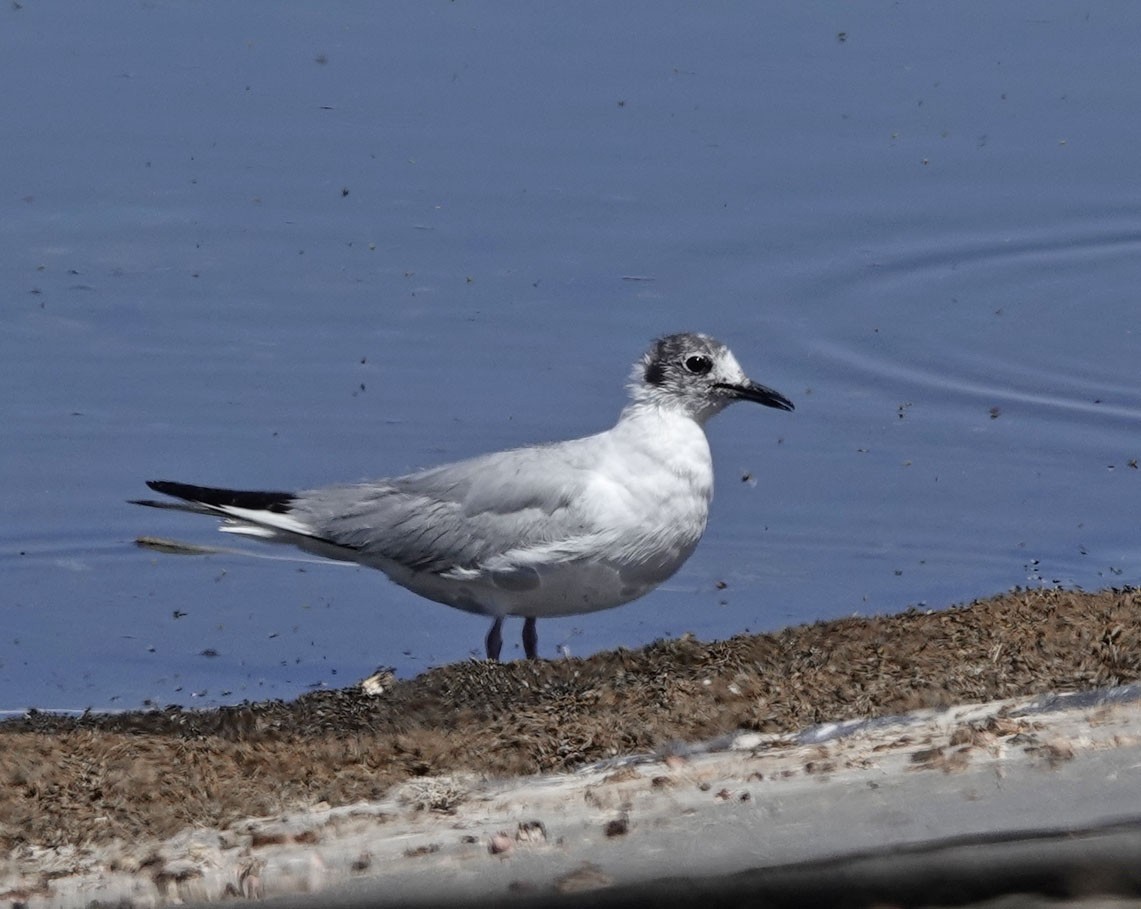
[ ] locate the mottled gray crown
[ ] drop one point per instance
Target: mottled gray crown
(674, 359)
(698, 375)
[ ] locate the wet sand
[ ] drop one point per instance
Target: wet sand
(82, 781)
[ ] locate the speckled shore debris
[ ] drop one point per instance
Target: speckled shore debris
(73, 785)
(573, 831)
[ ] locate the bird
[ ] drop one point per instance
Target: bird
(556, 529)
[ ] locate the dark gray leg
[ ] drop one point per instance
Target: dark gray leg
(495, 639)
(530, 638)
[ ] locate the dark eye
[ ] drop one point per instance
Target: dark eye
(698, 364)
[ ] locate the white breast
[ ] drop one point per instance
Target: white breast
(648, 497)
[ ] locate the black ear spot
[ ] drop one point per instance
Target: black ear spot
(655, 372)
(698, 364)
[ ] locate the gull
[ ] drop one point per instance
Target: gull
(547, 530)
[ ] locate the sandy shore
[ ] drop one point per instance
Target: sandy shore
(84, 799)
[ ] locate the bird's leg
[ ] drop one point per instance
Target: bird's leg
(530, 638)
(495, 639)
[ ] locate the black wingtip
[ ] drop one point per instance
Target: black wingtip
(254, 500)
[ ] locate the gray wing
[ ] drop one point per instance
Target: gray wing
(461, 515)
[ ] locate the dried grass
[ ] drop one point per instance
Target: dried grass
(80, 780)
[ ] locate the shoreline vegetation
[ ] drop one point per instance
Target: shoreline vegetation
(81, 781)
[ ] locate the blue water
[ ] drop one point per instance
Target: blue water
(280, 245)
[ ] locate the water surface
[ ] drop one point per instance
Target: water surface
(278, 246)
